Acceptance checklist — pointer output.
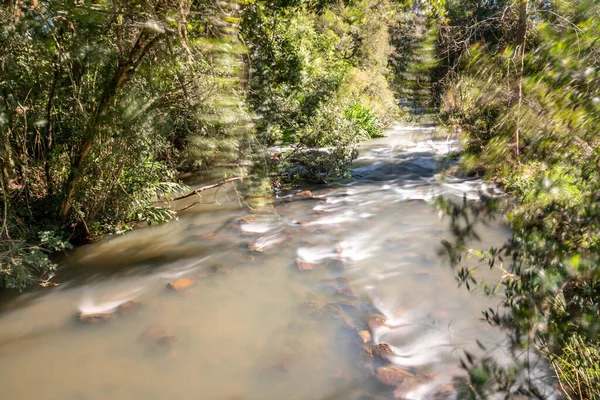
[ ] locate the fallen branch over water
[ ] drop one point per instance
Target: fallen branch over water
(214, 185)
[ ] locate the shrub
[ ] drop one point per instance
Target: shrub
(367, 122)
(23, 264)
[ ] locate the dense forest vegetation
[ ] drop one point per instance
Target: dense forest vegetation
(103, 104)
(521, 80)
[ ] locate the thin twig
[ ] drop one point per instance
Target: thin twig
(214, 185)
(187, 207)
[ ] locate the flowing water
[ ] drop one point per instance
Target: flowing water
(277, 298)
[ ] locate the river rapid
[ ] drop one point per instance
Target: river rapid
(337, 291)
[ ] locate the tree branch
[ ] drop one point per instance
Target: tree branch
(214, 185)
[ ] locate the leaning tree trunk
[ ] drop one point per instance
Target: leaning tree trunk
(125, 70)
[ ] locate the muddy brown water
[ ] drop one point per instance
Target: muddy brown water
(274, 299)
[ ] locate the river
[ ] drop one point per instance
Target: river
(305, 300)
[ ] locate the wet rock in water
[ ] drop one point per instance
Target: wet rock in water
(346, 291)
(250, 218)
(311, 306)
(392, 375)
(254, 247)
(181, 284)
(383, 351)
(365, 361)
(332, 311)
(365, 335)
(304, 194)
(166, 341)
(304, 266)
(95, 317)
(376, 321)
(160, 335)
(410, 383)
(220, 269)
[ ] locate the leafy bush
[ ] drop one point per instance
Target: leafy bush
(365, 119)
(23, 264)
(536, 133)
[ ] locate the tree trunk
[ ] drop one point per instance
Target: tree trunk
(49, 125)
(125, 70)
(520, 41)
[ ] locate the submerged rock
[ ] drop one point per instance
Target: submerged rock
(376, 321)
(181, 283)
(123, 309)
(129, 307)
(95, 317)
(383, 351)
(410, 383)
(332, 311)
(346, 291)
(220, 269)
(159, 335)
(365, 335)
(304, 266)
(250, 218)
(255, 247)
(312, 306)
(304, 194)
(392, 375)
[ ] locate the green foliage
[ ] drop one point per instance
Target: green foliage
(327, 147)
(542, 185)
(366, 120)
(101, 105)
(22, 264)
(320, 78)
(541, 144)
